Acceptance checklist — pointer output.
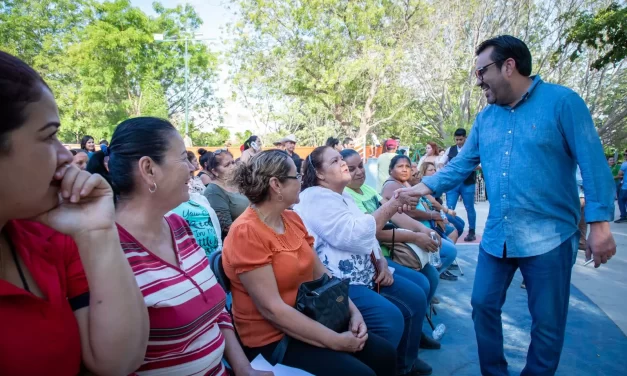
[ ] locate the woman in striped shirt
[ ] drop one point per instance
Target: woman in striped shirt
(190, 330)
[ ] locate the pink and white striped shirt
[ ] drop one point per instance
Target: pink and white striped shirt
(185, 303)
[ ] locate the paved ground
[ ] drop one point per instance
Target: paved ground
(594, 345)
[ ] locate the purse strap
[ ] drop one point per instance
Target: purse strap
(279, 351)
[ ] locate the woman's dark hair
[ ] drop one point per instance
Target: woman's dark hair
(313, 162)
(133, 139)
(250, 140)
(506, 47)
(332, 142)
(20, 85)
(211, 160)
(396, 159)
(253, 177)
(204, 157)
(347, 153)
(96, 165)
(84, 141)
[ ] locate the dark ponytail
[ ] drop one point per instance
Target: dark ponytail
(313, 162)
(133, 139)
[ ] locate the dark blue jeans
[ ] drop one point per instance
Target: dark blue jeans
(468, 196)
(448, 254)
(547, 278)
(457, 222)
(397, 313)
(622, 202)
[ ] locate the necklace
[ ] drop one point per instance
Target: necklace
(265, 222)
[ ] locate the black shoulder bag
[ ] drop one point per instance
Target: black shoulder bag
(324, 300)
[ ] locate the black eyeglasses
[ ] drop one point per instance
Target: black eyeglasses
(298, 177)
(479, 72)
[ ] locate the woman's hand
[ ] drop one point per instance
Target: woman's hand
(425, 242)
(357, 325)
(348, 342)
(451, 212)
(85, 203)
(384, 277)
(254, 372)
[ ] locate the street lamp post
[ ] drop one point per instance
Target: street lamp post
(189, 37)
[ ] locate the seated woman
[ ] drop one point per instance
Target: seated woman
(400, 168)
(223, 197)
(368, 201)
(428, 169)
(68, 300)
(204, 175)
(345, 241)
(267, 255)
(199, 215)
(190, 331)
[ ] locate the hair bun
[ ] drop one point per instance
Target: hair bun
(202, 151)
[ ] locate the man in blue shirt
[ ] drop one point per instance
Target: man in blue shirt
(529, 141)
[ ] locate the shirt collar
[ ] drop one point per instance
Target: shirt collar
(535, 81)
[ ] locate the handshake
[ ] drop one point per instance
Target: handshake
(407, 198)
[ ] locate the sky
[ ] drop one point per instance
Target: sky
(215, 16)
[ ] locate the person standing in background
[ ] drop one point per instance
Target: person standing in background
(290, 144)
(383, 162)
(622, 195)
(615, 168)
(348, 143)
(466, 189)
(87, 144)
(532, 134)
(252, 147)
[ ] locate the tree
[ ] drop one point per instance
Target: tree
(343, 55)
(605, 31)
(103, 65)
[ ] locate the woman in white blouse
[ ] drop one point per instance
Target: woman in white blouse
(345, 240)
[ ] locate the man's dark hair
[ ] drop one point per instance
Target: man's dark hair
(347, 140)
(332, 142)
(506, 47)
(460, 132)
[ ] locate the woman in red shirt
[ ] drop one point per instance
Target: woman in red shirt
(68, 298)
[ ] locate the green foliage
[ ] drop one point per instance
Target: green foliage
(102, 63)
(605, 31)
(339, 56)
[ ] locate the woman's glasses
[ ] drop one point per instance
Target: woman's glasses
(298, 177)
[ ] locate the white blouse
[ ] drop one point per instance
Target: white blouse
(344, 236)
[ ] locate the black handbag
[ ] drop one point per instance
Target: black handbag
(324, 300)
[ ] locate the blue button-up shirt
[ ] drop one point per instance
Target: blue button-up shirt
(529, 154)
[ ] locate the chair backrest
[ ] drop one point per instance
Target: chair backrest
(215, 262)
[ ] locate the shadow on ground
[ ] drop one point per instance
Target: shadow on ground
(594, 345)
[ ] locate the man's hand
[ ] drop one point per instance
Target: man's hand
(410, 196)
(601, 244)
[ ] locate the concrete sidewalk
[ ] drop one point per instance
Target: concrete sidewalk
(606, 286)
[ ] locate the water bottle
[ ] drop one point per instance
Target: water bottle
(434, 257)
(439, 331)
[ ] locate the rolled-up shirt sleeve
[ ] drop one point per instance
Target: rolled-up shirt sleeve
(584, 143)
(457, 170)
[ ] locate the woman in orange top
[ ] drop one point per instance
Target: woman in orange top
(267, 255)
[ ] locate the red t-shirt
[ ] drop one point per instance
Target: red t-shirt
(41, 336)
